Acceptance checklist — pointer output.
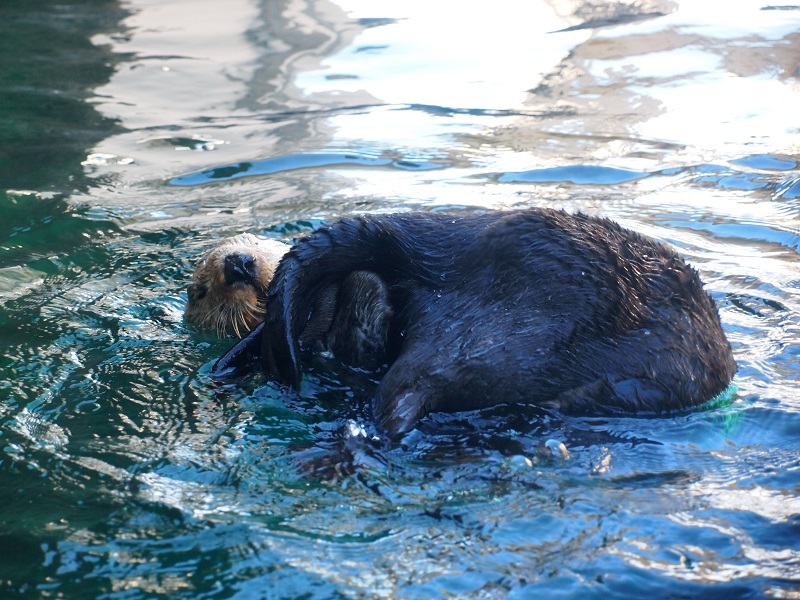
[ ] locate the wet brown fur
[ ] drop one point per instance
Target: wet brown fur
(232, 308)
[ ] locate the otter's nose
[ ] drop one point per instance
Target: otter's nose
(240, 268)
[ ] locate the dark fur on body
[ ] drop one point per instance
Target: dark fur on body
(351, 320)
(538, 306)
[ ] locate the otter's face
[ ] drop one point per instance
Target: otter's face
(228, 290)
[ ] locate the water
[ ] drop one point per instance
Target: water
(135, 134)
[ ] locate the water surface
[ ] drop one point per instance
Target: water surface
(135, 134)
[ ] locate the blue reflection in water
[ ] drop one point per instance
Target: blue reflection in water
(723, 177)
(789, 189)
(767, 161)
(579, 174)
(291, 162)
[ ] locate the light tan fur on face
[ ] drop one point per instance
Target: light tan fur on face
(238, 308)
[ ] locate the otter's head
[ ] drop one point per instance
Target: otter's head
(228, 290)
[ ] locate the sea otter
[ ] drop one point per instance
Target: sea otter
(539, 306)
(228, 293)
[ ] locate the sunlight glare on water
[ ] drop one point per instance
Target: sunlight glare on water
(413, 61)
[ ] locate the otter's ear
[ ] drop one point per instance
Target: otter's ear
(196, 291)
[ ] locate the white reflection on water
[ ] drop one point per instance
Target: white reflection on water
(446, 54)
(188, 60)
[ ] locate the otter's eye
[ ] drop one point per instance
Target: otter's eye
(197, 291)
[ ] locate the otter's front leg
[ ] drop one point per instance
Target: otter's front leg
(358, 335)
(323, 259)
(240, 359)
(351, 320)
